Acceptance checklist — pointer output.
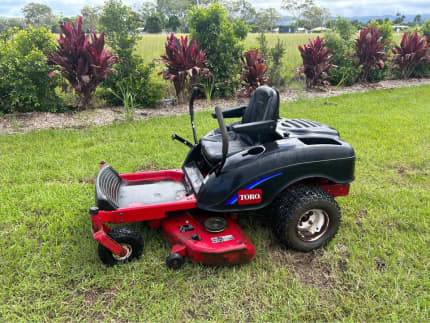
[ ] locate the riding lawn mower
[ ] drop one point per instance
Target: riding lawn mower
(288, 169)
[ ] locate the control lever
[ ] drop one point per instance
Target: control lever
(182, 140)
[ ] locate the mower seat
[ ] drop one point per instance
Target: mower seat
(212, 146)
(258, 126)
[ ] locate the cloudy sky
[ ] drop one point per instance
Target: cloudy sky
(341, 7)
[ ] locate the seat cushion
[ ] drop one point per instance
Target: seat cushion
(212, 146)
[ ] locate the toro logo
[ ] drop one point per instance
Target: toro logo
(249, 196)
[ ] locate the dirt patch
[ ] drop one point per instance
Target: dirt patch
(361, 215)
(93, 296)
(380, 265)
(314, 268)
(411, 171)
(31, 121)
(87, 180)
(307, 267)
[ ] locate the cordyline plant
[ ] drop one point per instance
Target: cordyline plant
(185, 64)
(370, 51)
(82, 60)
(316, 62)
(413, 50)
(253, 71)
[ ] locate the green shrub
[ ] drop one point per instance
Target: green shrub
(141, 83)
(426, 29)
(380, 74)
(154, 23)
(240, 29)
(24, 81)
(344, 28)
(120, 26)
(385, 30)
(422, 70)
(263, 45)
(277, 73)
(345, 73)
(216, 35)
(173, 24)
(273, 59)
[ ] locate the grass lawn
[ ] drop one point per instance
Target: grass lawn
(377, 267)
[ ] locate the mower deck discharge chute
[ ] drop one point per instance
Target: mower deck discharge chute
(290, 169)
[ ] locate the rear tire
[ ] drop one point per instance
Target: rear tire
(305, 218)
(129, 239)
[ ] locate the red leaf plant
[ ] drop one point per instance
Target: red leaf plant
(185, 63)
(82, 60)
(253, 71)
(370, 51)
(316, 62)
(413, 50)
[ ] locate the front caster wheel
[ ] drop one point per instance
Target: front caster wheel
(175, 261)
(129, 239)
(305, 218)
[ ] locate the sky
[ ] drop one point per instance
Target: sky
(347, 8)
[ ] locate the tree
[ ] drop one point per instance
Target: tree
(426, 28)
(418, 20)
(90, 18)
(344, 28)
(173, 24)
(385, 30)
(120, 25)
(38, 15)
(215, 33)
(153, 23)
(267, 19)
(357, 24)
(146, 9)
(6, 23)
(315, 17)
(241, 9)
(296, 8)
(399, 19)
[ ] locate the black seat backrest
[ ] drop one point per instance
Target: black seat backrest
(264, 105)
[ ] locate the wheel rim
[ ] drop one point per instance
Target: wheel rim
(176, 263)
(312, 225)
(128, 248)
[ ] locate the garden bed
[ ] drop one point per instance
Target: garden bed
(31, 121)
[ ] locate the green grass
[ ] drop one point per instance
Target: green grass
(375, 269)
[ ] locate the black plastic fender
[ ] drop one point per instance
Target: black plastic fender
(269, 169)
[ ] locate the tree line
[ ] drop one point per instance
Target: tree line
(152, 17)
(171, 15)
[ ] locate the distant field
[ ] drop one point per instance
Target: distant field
(152, 46)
